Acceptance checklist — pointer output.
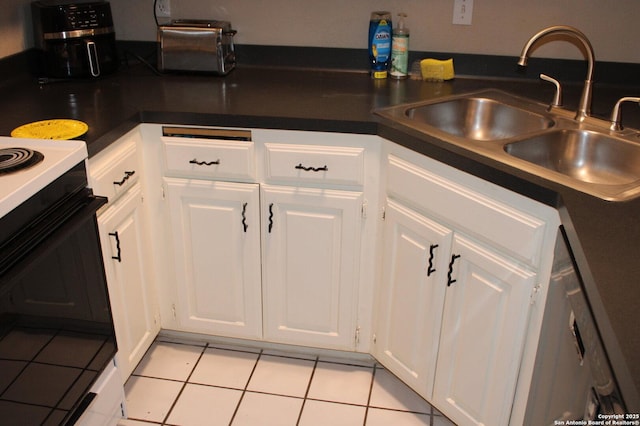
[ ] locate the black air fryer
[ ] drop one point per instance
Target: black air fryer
(76, 38)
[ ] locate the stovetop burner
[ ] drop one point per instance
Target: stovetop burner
(12, 159)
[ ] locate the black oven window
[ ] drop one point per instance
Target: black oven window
(56, 333)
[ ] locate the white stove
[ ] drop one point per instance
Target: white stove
(17, 186)
(53, 291)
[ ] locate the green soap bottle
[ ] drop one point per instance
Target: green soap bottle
(400, 49)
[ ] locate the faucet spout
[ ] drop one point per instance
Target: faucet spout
(584, 107)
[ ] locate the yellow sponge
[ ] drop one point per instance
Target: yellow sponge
(436, 70)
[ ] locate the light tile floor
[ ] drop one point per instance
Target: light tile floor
(189, 384)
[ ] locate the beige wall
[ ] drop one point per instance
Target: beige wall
(500, 27)
(15, 27)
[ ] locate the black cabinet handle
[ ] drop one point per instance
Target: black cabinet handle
(126, 177)
(270, 217)
(204, 163)
(244, 217)
(453, 260)
(577, 338)
(118, 257)
(431, 269)
(312, 169)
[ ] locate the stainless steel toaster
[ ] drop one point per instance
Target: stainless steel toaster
(196, 46)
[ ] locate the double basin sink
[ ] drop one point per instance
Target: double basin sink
(523, 134)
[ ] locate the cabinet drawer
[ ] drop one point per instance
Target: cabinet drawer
(516, 232)
(116, 169)
(314, 164)
(219, 159)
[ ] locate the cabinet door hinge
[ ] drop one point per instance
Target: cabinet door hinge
(363, 209)
(534, 294)
(173, 311)
(357, 335)
(384, 213)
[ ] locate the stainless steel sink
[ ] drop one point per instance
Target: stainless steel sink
(584, 155)
(520, 133)
(478, 118)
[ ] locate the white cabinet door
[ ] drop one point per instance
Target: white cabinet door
(216, 234)
(311, 256)
(133, 301)
(411, 297)
(483, 330)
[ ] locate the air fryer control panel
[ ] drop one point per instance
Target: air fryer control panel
(58, 16)
(83, 17)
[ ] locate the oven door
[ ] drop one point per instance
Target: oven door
(56, 331)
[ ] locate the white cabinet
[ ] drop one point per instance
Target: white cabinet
(311, 264)
(213, 215)
(450, 301)
(125, 242)
(130, 289)
(318, 247)
(275, 235)
(483, 329)
(216, 230)
(463, 261)
(415, 262)
(266, 233)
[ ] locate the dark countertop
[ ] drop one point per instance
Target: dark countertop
(605, 236)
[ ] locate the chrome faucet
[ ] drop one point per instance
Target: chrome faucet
(584, 108)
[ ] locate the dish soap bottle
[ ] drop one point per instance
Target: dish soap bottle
(400, 49)
(380, 43)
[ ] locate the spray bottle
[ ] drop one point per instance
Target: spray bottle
(400, 49)
(380, 43)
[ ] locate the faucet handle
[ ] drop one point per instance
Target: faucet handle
(557, 98)
(616, 124)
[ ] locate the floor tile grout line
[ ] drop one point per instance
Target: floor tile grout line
(399, 410)
(145, 421)
(373, 378)
(276, 394)
(288, 356)
(246, 386)
(352, 404)
(184, 383)
(348, 364)
(157, 378)
(306, 393)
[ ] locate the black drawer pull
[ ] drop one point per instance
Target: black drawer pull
(118, 257)
(270, 217)
(453, 260)
(244, 217)
(126, 177)
(312, 169)
(431, 269)
(204, 163)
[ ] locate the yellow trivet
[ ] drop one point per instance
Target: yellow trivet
(51, 129)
